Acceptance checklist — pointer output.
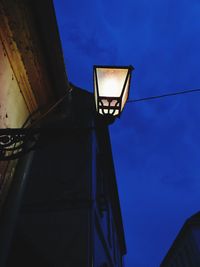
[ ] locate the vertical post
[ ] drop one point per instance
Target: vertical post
(11, 206)
(91, 221)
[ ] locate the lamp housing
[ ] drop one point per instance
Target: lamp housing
(111, 89)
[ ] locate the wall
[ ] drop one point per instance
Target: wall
(24, 79)
(53, 225)
(13, 113)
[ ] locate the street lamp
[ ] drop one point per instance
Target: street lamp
(111, 89)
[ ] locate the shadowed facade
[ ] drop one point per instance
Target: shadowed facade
(185, 250)
(59, 203)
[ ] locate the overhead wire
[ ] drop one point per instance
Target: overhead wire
(163, 95)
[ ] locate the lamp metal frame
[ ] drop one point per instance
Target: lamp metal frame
(100, 99)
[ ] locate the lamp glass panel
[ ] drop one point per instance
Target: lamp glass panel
(111, 81)
(116, 113)
(126, 91)
(95, 90)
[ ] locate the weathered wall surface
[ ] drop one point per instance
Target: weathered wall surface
(25, 83)
(13, 107)
(13, 112)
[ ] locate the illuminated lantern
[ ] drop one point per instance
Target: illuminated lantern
(111, 89)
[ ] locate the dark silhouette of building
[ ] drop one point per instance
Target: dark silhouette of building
(70, 214)
(185, 250)
(61, 205)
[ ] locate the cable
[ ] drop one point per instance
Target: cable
(30, 118)
(14, 140)
(49, 110)
(164, 95)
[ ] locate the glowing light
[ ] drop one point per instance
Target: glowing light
(111, 89)
(110, 81)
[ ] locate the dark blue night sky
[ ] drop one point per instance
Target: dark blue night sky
(155, 143)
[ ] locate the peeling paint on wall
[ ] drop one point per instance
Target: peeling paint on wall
(13, 109)
(13, 113)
